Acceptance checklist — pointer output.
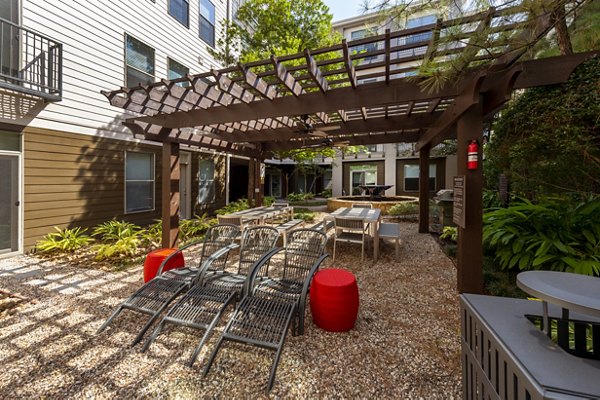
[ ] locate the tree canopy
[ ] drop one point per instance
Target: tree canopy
(548, 139)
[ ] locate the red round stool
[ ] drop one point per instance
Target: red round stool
(334, 300)
(156, 257)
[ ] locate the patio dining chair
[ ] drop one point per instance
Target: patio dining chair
(272, 304)
(351, 230)
(203, 304)
(154, 296)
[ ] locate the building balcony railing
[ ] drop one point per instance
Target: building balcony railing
(29, 62)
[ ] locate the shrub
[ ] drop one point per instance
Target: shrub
(404, 208)
(450, 233)
(268, 200)
(557, 234)
(192, 228)
(65, 240)
(152, 235)
(304, 214)
(111, 231)
(298, 197)
(234, 206)
(326, 193)
(124, 246)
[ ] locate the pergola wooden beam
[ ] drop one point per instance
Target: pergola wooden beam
(315, 73)
(286, 78)
(354, 140)
(348, 64)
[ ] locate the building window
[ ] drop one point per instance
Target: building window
(365, 48)
(420, 21)
(372, 148)
(411, 177)
(180, 10)
(207, 22)
(206, 181)
(139, 60)
(176, 70)
(139, 182)
(362, 175)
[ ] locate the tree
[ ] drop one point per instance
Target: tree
(548, 140)
(281, 27)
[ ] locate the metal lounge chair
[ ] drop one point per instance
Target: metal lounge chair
(273, 304)
(157, 294)
(202, 306)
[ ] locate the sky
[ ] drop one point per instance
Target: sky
(342, 9)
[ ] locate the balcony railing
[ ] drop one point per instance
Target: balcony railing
(29, 62)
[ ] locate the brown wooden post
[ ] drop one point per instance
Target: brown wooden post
(424, 189)
(260, 195)
(251, 173)
(170, 194)
(470, 247)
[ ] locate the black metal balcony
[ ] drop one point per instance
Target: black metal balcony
(29, 62)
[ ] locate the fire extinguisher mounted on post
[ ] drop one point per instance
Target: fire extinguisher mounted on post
(473, 155)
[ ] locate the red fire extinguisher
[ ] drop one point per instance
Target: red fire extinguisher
(472, 154)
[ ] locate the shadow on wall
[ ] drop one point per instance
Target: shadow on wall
(101, 178)
(17, 108)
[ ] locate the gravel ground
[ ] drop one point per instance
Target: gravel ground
(405, 343)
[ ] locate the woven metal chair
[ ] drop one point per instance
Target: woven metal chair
(271, 305)
(203, 305)
(154, 297)
(350, 230)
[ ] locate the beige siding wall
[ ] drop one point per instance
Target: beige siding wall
(77, 180)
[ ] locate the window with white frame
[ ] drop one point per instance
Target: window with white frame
(139, 181)
(180, 10)
(207, 22)
(176, 70)
(362, 175)
(139, 62)
(206, 181)
(365, 48)
(420, 21)
(411, 177)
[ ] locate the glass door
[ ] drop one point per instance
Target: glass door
(9, 203)
(9, 51)
(275, 183)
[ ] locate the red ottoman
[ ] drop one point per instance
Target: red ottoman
(156, 257)
(334, 300)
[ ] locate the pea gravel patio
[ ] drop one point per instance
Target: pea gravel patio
(405, 343)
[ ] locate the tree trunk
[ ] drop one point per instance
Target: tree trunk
(562, 33)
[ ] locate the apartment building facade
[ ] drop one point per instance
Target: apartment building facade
(394, 163)
(65, 158)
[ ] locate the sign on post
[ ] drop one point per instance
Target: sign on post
(458, 211)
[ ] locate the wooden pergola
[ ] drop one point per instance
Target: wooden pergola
(254, 109)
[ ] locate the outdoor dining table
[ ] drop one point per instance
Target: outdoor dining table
(368, 215)
(260, 214)
(579, 293)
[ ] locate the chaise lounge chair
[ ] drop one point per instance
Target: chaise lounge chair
(202, 306)
(273, 304)
(154, 297)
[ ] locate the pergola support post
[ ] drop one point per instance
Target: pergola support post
(255, 185)
(424, 189)
(470, 247)
(170, 194)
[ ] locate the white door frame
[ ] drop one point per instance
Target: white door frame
(20, 184)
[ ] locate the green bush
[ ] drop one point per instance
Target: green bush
(326, 193)
(404, 208)
(124, 246)
(195, 227)
(152, 235)
(66, 240)
(111, 231)
(298, 197)
(558, 234)
(234, 206)
(304, 214)
(268, 200)
(450, 233)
